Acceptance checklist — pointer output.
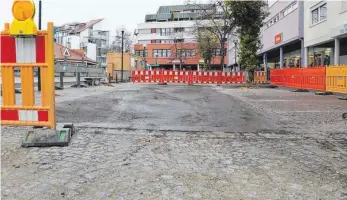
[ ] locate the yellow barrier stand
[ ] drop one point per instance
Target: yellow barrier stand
(16, 41)
(260, 77)
(336, 79)
(28, 114)
(25, 47)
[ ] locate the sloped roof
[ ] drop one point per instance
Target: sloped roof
(77, 27)
(86, 25)
(74, 55)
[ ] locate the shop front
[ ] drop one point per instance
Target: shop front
(320, 56)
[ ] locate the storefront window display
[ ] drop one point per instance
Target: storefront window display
(320, 56)
(292, 59)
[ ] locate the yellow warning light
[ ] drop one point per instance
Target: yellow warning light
(23, 24)
(23, 10)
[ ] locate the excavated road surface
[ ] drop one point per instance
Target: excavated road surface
(184, 142)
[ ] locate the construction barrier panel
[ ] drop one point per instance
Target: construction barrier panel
(313, 78)
(293, 77)
(300, 78)
(260, 77)
(28, 53)
(336, 79)
(277, 77)
(189, 77)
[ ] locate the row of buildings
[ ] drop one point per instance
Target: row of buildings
(88, 39)
(295, 34)
(301, 34)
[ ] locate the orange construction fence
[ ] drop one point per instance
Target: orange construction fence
(301, 78)
(277, 77)
(189, 77)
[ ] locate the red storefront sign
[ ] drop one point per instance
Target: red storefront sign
(278, 38)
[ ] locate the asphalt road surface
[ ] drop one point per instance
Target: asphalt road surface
(185, 142)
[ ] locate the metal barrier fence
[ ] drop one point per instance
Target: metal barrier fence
(28, 53)
(189, 77)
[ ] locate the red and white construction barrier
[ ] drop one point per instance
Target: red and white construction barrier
(190, 77)
(25, 115)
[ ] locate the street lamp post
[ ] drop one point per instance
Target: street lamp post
(235, 42)
(39, 69)
(122, 53)
(144, 56)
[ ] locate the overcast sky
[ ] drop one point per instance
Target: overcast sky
(115, 12)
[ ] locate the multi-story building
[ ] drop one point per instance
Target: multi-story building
(325, 32)
(282, 34)
(167, 39)
(88, 36)
(302, 34)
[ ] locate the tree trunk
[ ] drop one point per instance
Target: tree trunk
(222, 52)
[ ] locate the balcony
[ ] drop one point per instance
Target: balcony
(98, 37)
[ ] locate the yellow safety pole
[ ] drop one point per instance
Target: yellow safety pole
(27, 79)
(50, 73)
(8, 87)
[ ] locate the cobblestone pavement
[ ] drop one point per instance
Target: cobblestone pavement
(179, 142)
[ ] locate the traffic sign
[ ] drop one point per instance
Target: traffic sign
(66, 52)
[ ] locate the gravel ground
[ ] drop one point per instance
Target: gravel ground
(184, 142)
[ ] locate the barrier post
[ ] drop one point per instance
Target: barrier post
(161, 78)
(190, 77)
(219, 79)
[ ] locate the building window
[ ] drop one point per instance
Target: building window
(153, 30)
(165, 31)
(315, 16)
(161, 53)
(282, 14)
(323, 12)
(177, 30)
(178, 40)
(319, 14)
(193, 52)
(141, 53)
(217, 52)
(186, 52)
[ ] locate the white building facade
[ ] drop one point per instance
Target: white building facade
(166, 32)
(87, 36)
(282, 36)
(325, 32)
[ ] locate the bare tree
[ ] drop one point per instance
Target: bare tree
(218, 20)
(178, 48)
(116, 45)
(207, 43)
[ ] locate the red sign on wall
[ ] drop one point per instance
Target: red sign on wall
(278, 38)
